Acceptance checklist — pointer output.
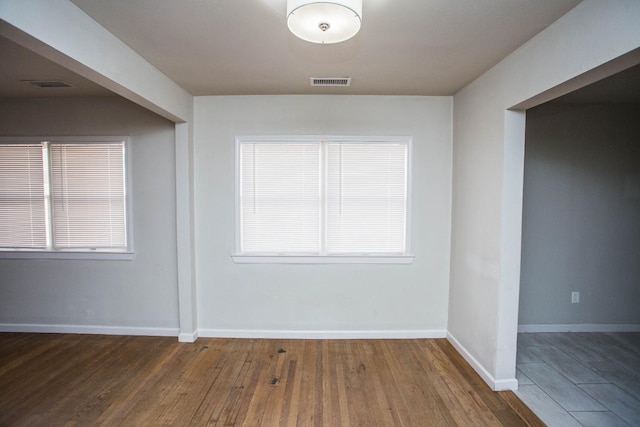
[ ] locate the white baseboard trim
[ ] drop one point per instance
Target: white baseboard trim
(188, 337)
(85, 329)
(278, 334)
(582, 327)
(496, 385)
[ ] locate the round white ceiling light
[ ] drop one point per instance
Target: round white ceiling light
(324, 22)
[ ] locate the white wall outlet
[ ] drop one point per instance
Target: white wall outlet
(575, 297)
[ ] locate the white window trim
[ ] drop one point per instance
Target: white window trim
(106, 255)
(60, 254)
(406, 258)
(322, 259)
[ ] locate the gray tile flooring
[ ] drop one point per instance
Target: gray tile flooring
(580, 379)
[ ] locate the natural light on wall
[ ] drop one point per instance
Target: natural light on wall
(324, 22)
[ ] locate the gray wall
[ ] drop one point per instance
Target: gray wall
(370, 300)
(581, 219)
(138, 296)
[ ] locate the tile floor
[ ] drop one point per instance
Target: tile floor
(581, 379)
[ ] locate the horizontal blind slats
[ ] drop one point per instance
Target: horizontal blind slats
(22, 199)
(88, 195)
(280, 198)
(367, 198)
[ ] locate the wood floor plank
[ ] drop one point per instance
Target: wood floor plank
(85, 390)
(374, 384)
(498, 409)
(294, 385)
(420, 395)
(524, 412)
(353, 370)
(181, 390)
(141, 381)
(220, 391)
(389, 373)
(135, 393)
(49, 373)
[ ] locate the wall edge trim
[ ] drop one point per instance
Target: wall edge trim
(496, 385)
(188, 337)
(306, 334)
(88, 329)
(580, 327)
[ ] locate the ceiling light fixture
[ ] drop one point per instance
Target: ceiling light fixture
(324, 22)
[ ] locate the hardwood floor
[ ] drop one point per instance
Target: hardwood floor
(581, 379)
(67, 380)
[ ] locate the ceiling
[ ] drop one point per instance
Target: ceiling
(239, 47)
(19, 64)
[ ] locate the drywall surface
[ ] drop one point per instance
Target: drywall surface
(121, 296)
(269, 299)
(63, 33)
(581, 218)
(488, 163)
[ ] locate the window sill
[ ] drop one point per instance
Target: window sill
(69, 255)
(316, 259)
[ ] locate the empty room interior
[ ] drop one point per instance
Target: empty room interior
(581, 238)
(213, 214)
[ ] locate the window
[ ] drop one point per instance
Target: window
(324, 199)
(63, 195)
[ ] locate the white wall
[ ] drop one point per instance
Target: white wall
(136, 297)
(488, 158)
(269, 300)
(581, 219)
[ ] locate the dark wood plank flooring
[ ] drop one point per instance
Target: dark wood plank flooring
(68, 380)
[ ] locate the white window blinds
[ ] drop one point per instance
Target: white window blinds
(63, 195)
(88, 195)
(22, 197)
(366, 198)
(280, 198)
(323, 197)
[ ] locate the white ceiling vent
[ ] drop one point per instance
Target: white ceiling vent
(47, 84)
(331, 81)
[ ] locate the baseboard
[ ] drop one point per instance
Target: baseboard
(496, 385)
(582, 327)
(188, 337)
(84, 329)
(292, 334)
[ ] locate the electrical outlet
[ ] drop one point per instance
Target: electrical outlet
(575, 297)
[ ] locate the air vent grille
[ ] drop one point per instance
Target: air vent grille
(47, 84)
(331, 81)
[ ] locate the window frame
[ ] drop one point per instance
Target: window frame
(374, 258)
(128, 253)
